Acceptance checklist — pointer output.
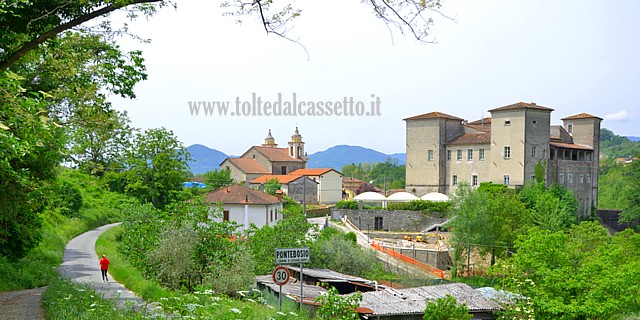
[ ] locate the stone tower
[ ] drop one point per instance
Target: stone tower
(269, 141)
(296, 145)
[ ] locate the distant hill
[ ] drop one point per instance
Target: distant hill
(206, 159)
(339, 156)
(634, 139)
(615, 146)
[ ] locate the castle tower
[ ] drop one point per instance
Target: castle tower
(584, 129)
(296, 145)
(269, 141)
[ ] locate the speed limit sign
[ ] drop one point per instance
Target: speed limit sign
(281, 275)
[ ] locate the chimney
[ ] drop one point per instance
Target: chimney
(279, 195)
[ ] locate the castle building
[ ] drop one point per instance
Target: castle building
(443, 150)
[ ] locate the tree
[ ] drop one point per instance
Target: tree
(553, 208)
(290, 232)
(99, 136)
(631, 194)
(157, 167)
(446, 308)
(568, 274)
(491, 216)
(30, 151)
(272, 186)
(218, 179)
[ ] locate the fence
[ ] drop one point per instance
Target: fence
(432, 270)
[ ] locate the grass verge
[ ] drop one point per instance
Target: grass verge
(200, 305)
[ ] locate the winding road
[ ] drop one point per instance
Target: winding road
(80, 264)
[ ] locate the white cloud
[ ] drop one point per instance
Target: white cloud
(622, 115)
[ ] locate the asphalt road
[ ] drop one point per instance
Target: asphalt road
(80, 264)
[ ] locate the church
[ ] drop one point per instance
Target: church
(268, 159)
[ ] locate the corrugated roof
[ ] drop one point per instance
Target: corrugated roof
(313, 171)
(569, 146)
(433, 115)
(248, 165)
(471, 138)
(581, 116)
(413, 300)
(521, 105)
(282, 178)
(276, 154)
(237, 194)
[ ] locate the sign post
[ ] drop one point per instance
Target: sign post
(280, 277)
(291, 256)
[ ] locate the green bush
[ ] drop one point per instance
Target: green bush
(421, 205)
(347, 204)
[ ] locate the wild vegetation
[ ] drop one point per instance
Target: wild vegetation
(384, 175)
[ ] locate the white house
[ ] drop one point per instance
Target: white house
(329, 183)
(245, 206)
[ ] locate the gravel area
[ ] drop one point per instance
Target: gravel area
(22, 305)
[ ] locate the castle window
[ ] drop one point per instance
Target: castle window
(474, 180)
(448, 155)
(570, 128)
(469, 154)
(507, 122)
(588, 178)
(481, 154)
(562, 178)
(507, 152)
(430, 155)
(459, 155)
(570, 178)
(581, 178)
(533, 151)
(454, 180)
(283, 170)
(506, 179)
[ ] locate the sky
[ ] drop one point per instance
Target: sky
(572, 56)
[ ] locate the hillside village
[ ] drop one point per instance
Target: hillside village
(523, 211)
(512, 148)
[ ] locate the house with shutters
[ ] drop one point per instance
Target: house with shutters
(267, 158)
(246, 206)
(443, 150)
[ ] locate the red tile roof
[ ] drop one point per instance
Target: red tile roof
(282, 178)
(237, 194)
(276, 154)
(521, 105)
(569, 146)
(433, 115)
(581, 116)
(471, 138)
(248, 165)
(483, 128)
(313, 171)
(483, 121)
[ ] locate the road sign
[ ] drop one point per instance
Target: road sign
(280, 275)
(292, 255)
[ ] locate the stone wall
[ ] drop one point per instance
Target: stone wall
(388, 220)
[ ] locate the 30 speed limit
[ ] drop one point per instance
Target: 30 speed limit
(280, 275)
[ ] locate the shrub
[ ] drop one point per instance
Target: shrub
(335, 306)
(446, 309)
(347, 204)
(172, 260)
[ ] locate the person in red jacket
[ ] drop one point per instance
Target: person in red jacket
(104, 266)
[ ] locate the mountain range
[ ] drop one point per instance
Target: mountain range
(207, 159)
(634, 139)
